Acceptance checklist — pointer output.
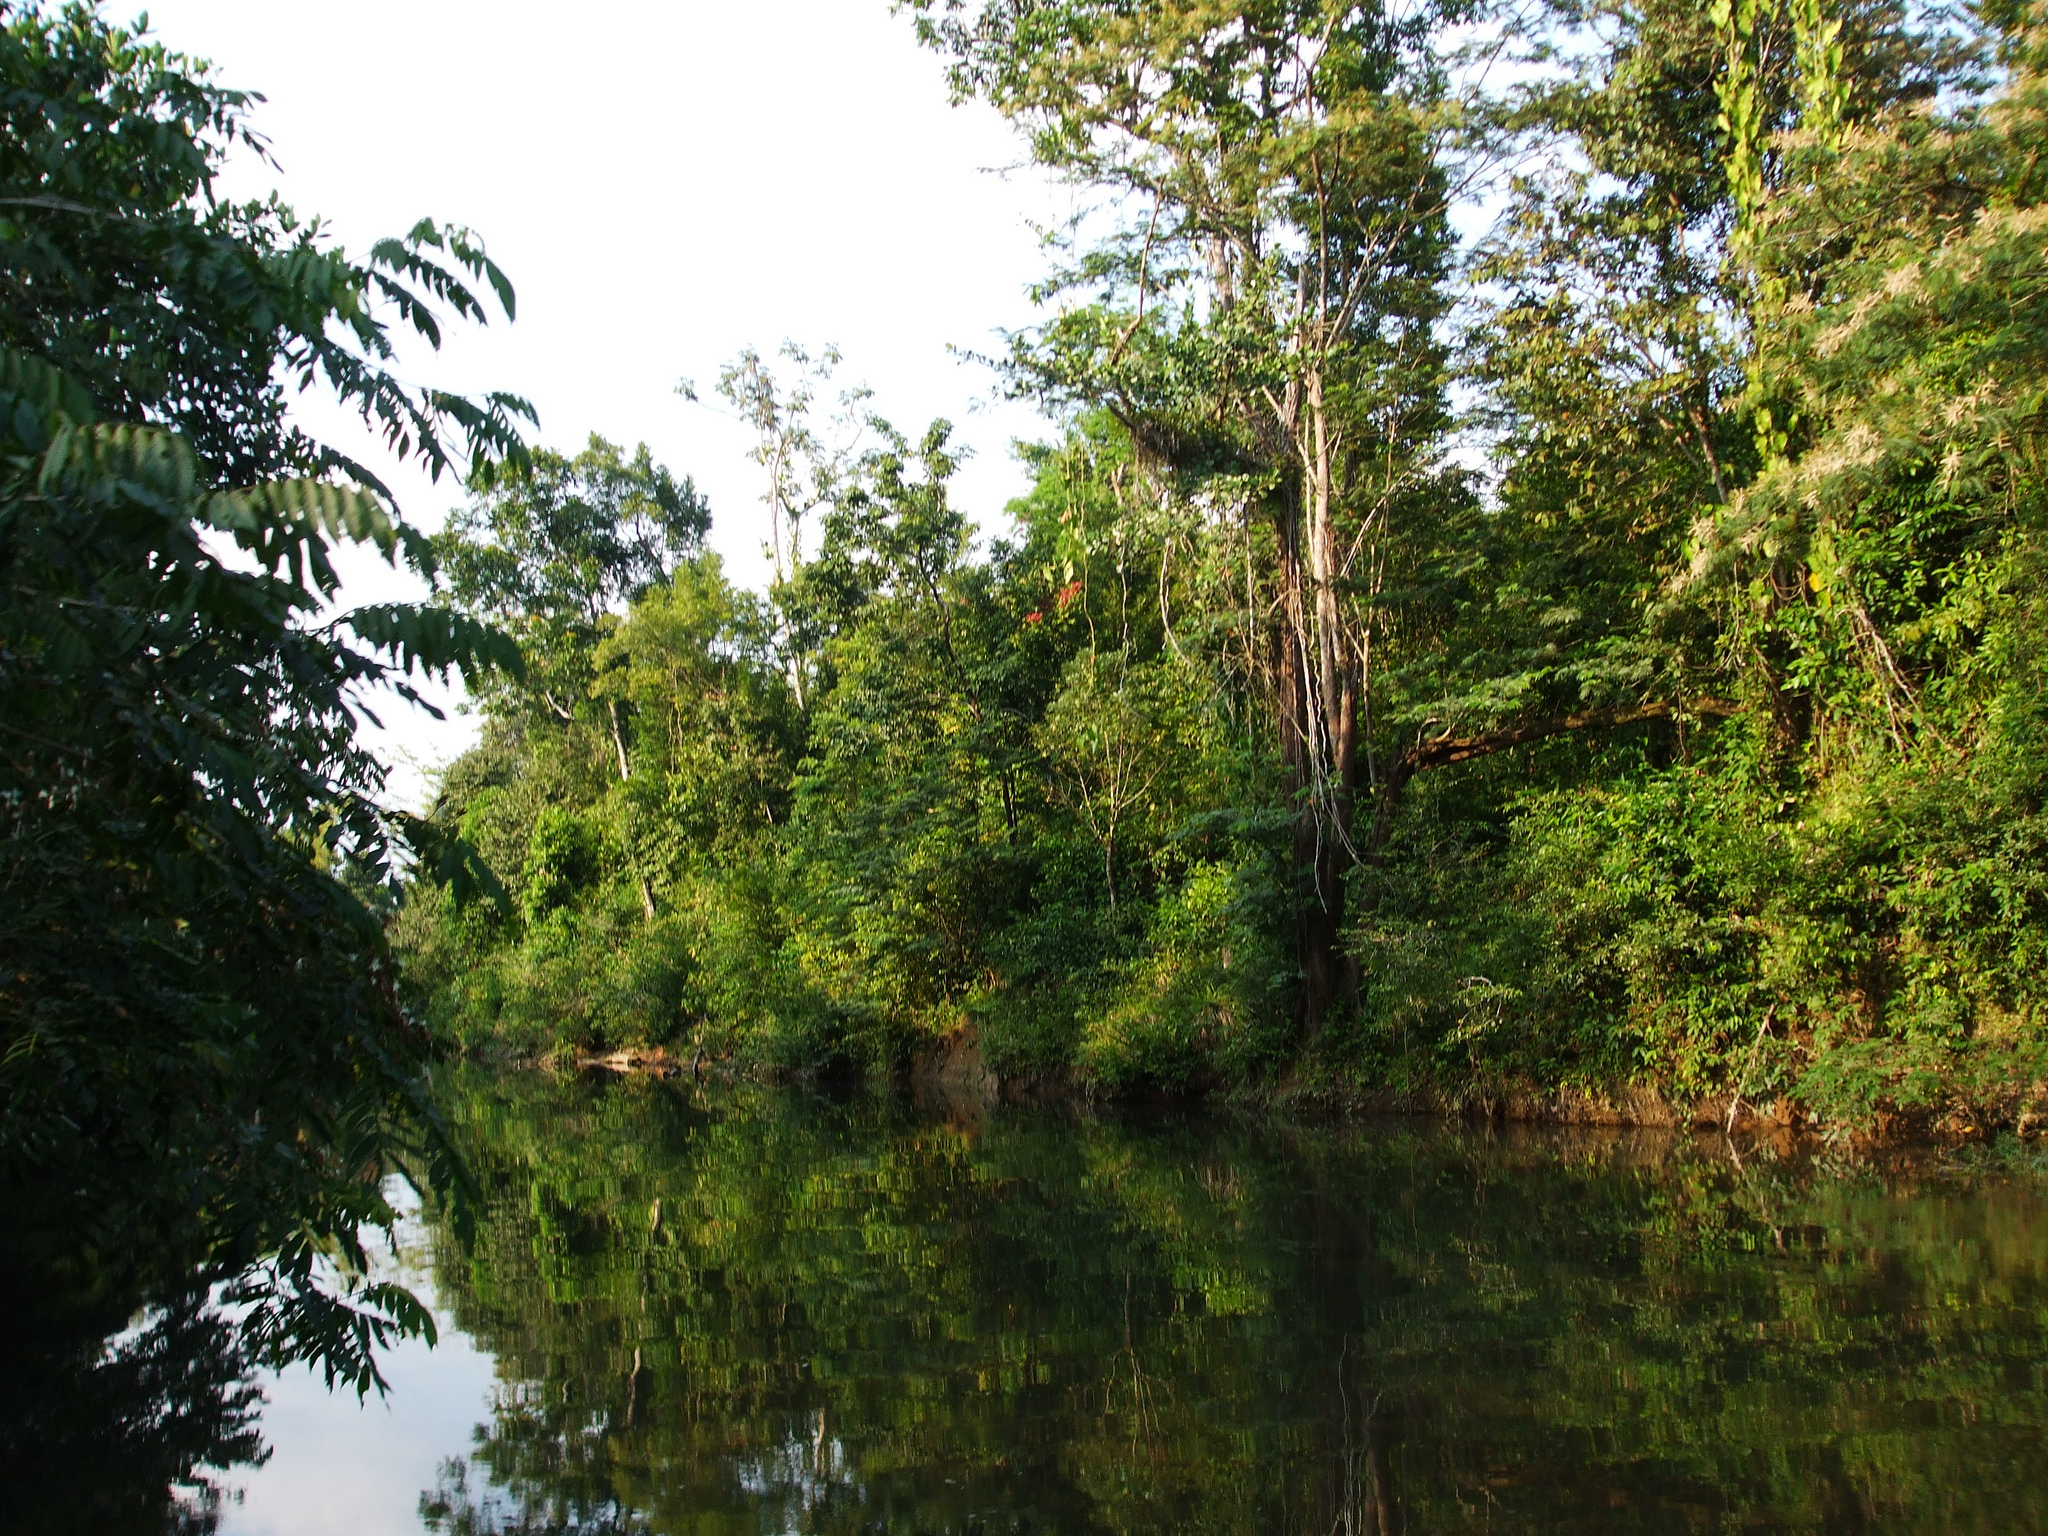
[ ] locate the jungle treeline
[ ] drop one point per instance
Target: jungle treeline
(1531, 588)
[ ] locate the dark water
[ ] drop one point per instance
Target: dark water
(748, 1312)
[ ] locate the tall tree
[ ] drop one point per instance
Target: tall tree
(805, 465)
(1274, 177)
(1614, 338)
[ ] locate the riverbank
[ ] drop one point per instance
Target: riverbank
(955, 1077)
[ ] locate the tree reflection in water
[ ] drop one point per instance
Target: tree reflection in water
(122, 1435)
(751, 1311)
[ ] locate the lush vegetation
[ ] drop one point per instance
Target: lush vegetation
(206, 1073)
(759, 1309)
(1531, 596)
(1592, 659)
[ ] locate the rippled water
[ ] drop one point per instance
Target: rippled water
(742, 1311)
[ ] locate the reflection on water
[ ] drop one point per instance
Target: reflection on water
(123, 1434)
(756, 1312)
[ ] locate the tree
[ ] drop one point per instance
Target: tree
(205, 1073)
(1614, 341)
(126, 271)
(1107, 740)
(558, 551)
(1279, 189)
(804, 470)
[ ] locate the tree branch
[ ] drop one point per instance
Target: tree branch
(1441, 751)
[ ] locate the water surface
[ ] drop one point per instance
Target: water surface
(738, 1311)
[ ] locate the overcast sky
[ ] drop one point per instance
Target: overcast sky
(665, 183)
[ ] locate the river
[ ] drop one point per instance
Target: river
(735, 1310)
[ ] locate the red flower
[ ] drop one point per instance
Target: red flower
(1033, 618)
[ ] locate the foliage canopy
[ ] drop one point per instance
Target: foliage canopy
(206, 1070)
(1590, 654)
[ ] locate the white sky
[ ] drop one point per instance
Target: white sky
(664, 184)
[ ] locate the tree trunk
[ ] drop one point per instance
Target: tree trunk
(619, 739)
(1324, 699)
(1318, 755)
(625, 773)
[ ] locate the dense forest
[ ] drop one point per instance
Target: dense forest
(1530, 598)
